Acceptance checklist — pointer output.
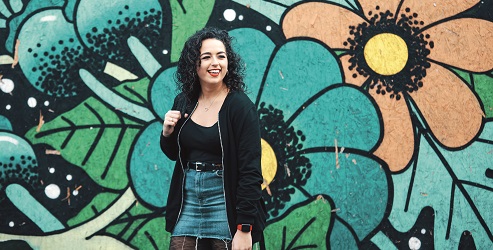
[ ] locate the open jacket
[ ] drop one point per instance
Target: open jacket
(242, 177)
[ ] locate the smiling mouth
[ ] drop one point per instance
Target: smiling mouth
(214, 72)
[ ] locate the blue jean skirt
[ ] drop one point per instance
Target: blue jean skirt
(203, 213)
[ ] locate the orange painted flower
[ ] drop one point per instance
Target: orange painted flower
(402, 52)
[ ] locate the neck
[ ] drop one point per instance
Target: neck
(209, 93)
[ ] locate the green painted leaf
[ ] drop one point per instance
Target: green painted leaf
(483, 84)
(152, 235)
(188, 17)
(304, 227)
(465, 206)
(135, 90)
(143, 228)
(94, 137)
(94, 208)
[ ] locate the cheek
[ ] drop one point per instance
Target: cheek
(200, 68)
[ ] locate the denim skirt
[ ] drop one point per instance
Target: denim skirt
(203, 213)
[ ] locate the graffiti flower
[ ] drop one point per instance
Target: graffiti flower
(316, 132)
(398, 51)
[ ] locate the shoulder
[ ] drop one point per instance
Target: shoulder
(238, 99)
(182, 102)
(239, 107)
(180, 97)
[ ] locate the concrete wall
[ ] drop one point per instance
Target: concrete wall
(376, 120)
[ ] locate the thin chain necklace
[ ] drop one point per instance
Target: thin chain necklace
(207, 108)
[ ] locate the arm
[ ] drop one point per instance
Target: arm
(169, 146)
(168, 141)
(250, 178)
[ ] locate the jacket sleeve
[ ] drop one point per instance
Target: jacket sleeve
(249, 190)
(169, 145)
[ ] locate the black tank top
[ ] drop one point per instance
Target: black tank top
(201, 143)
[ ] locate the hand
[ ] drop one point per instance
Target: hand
(170, 120)
(242, 241)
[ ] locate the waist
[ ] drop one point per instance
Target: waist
(203, 166)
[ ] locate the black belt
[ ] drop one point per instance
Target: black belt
(204, 166)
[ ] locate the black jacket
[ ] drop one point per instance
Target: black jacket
(240, 140)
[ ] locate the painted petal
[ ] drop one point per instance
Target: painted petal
(163, 91)
(430, 11)
(449, 107)
(397, 146)
(350, 178)
(383, 5)
(255, 49)
(464, 43)
(323, 21)
(349, 119)
(351, 75)
(288, 85)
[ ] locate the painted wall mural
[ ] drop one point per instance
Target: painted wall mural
(376, 120)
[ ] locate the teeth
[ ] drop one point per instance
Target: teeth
(214, 71)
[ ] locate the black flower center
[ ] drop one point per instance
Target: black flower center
(391, 52)
(293, 169)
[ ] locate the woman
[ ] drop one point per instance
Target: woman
(212, 131)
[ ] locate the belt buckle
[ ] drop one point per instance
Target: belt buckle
(197, 166)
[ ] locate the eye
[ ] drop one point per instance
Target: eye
(205, 57)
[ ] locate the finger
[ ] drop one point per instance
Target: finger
(172, 117)
(174, 114)
(171, 121)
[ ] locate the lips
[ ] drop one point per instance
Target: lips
(214, 72)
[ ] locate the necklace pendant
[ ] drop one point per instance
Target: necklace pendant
(206, 109)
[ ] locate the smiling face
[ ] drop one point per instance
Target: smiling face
(213, 62)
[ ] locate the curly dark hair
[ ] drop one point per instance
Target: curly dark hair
(186, 73)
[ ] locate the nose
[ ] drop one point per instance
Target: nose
(214, 61)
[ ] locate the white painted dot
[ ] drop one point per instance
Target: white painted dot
(11, 224)
(229, 15)
(423, 231)
(47, 103)
(32, 102)
(69, 177)
(240, 17)
(75, 193)
(51, 170)
(414, 243)
(268, 28)
(165, 52)
(6, 85)
(8, 107)
(52, 191)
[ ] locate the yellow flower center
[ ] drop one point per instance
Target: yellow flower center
(386, 54)
(269, 163)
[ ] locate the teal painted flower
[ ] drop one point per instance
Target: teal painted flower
(316, 131)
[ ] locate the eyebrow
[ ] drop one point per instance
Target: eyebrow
(209, 53)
